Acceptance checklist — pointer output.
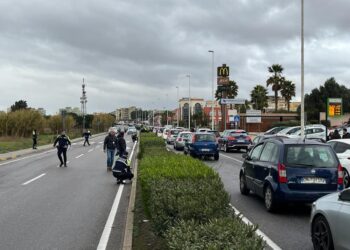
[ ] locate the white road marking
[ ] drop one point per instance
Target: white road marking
(74, 143)
(92, 142)
(231, 158)
(91, 150)
(102, 245)
(269, 242)
(79, 156)
(30, 156)
(128, 148)
(101, 142)
(128, 141)
(34, 179)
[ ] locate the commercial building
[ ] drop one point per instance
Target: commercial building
(124, 114)
(281, 104)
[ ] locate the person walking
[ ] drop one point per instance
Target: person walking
(121, 146)
(62, 142)
(35, 137)
(86, 135)
(109, 146)
(346, 134)
(335, 135)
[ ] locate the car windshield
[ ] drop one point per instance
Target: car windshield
(310, 156)
(205, 137)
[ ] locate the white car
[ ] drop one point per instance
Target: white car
(288, 131)
(342, 149)
(165, 133)
(317, 131)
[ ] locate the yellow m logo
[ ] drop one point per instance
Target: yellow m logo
(223, 71)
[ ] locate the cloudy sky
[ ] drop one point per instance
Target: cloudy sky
(135, 52)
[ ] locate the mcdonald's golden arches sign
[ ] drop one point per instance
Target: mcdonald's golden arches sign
(223, 71)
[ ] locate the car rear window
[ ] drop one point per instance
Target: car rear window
(174, 132)
(237, 134)
(310, 156)
(205, 137)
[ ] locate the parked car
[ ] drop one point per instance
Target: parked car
(181, 139)
(216, 133)
(172, 134)
(274, 130)
(160, 132)
(342, 149)
(329, 221)
(165, 133)
(201, 130)
(234, 139)
(288, 131)
(290, 170)
(201, 145)
(311, 131)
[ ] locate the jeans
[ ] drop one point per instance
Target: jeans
(61, 151)
(110, 157)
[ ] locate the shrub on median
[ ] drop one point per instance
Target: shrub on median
(224, 233)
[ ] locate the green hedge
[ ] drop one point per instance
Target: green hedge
(224, 233)
(178, 190)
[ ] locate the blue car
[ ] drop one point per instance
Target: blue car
(284, 170)
(201, 145)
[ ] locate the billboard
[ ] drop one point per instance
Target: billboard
(334, 107)
(253, 116)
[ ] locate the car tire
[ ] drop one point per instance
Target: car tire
(269, 199)
(243, 185)
(346, 179)
(175, 147)
(216, 157)
(226, 149)
(321, 234)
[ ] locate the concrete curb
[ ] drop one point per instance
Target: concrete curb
(29, 151)
(129, 228)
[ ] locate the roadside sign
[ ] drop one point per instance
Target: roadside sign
(232, 101)
(253, 116)
(334, 107)
(223, 71)
(236, 118)
(223, 80)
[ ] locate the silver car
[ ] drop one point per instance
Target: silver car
(180, 140)
(330, 218)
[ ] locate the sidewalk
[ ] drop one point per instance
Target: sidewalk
(28, 151)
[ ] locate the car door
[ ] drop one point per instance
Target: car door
(341, 221)
(249, 165)
(268, 160)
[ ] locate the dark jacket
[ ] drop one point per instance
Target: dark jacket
(346, 135)
(110, 142)
(87, 135)
(121, 165)
(62, 141)
(121, 146)
(335, 135)
(35, 135)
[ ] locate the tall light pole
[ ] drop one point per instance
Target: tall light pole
(167, 118)
(212, 90)
(83, 101)
(302, 71)
(177, 109)
(189, 101)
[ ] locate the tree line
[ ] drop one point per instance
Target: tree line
(21, 121)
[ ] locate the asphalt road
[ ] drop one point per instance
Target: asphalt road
(289, 228)
(47, 207)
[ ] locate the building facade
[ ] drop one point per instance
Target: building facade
(124, 114)
(281, 103)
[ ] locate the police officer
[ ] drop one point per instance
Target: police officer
(121, 144)
(121, 169)
(86, 135)
(62, 142)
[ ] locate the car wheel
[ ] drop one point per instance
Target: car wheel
(226, 148)
(269, 198)
(346, 179)
(175, 147)
(216, 157)
(243, 185)
(321, 234)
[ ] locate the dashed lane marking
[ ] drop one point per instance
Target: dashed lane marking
(231, 158)
(91, 150)
(79, 156)
(34, 179)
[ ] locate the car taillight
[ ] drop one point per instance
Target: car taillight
(248, 138)
(282, 173)
(193, 139)
(231, 138)
(340, 176)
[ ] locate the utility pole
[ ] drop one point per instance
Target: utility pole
(212, 90)
(189, 101)
(302, 118)
(178, 109)
(83, 101)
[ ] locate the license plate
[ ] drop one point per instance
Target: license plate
(313, 180)
(240, 140)
(205, 150)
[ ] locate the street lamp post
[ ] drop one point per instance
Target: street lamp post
(167, 118)
(177, 109)
(212, 90)
(302, 71)
(189, 101)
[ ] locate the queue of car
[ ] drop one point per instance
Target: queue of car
(281, 167)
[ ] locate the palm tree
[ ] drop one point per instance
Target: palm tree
(259, 97)
(276, 80)
(288, 91)
(230, 89)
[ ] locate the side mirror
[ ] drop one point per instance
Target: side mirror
(344, 195)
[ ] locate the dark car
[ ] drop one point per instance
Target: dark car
(290, 170)
(274, 130)
(234, 139)
(201, 145)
